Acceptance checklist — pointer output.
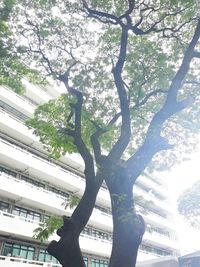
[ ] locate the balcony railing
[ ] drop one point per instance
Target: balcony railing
(152, 216)
(18, 96)
(87, 240)
(150, 197)
(45, 168)
(160, 189)
(15, 217)
(8, 114)
(31, 186)
(96, 238)
(24, 151)
(15, 261)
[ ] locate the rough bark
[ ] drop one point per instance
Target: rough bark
(128, 227)
(67, 250)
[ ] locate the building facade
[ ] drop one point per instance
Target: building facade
(33, 187)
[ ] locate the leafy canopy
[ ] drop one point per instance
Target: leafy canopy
(189, 205)
(12, 68)
(60, 37)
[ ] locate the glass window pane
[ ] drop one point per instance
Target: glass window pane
(48, 257)
(4, 206)
(15, 211)
(86, 261)
(15, 252)
(7, 250)
(30, 255)
(23, 253)
(41, 255)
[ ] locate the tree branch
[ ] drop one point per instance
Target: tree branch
(124, 138)
(114, 119)
(131, 5)
(181, 73)
(153, 142)
(99, 14)
(83, 150)
(85, 207)
(146, 98)
(95, 142)
(153, 28)
(196, 54)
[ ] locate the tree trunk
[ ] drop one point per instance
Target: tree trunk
(67, 249)
(128, 227)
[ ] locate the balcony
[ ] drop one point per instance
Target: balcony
(16, 226)
(147, 182)
(26, 162)
(160, 240)
(143, 256)
(101, 220)
(23, 227)
(26, 194)
(55, 90)
(36, 93)
(155, 219)
(26, 226)
(159, 204)
(15, 128)
(20, 262)
(95, 246)
(16, 101)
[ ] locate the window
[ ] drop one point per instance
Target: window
(32, 215)
(8, 172)
(17, 250)
(101, 235)
(86, 261)
(146, 189)
(4, 206)
(105, 210)
(153, 180)
(97, 233)
(46, 257)
(86, 231)
(13, 111)
(58, 192)
(160, 231)
(99, 263)
(155, 250)
(157, 213)
(33, 182)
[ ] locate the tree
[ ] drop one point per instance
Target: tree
(189, 205)
(130, 70)
(12, 69)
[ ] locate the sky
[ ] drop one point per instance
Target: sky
(179, 178)
(184, 175)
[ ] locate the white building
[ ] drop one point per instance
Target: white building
(33, 187)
